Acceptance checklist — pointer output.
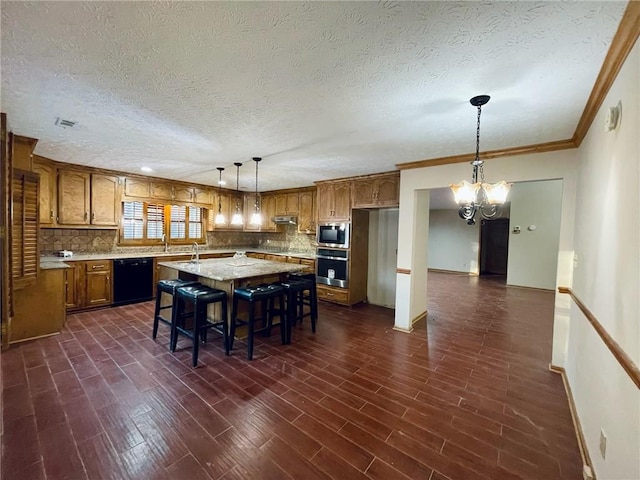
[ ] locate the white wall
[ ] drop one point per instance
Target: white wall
(533, 253)
(383, 248)
(606, 279)
(453, 245)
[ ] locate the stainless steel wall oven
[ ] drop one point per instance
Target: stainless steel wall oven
(332, 267)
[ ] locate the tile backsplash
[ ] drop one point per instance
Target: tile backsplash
(85, 241)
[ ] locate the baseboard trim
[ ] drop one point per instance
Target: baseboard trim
(422, 316)
(454, 272)
(582, 444)
(403, 330)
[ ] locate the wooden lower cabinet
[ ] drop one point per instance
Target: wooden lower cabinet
(88, 284)
(39, 308)
(333, 294)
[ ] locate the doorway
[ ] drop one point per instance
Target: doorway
(494, 247)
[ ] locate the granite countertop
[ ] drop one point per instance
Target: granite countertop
(225, 269)
(45, 260)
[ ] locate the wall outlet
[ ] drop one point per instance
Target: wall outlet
(603, 444)
(575, 260)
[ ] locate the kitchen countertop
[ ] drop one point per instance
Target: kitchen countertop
(51, 261)
(53, 265)
(226, 269)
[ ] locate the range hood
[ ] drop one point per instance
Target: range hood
(285, 220)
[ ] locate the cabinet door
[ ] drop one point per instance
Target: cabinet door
(161, 191)
(387, 191)
(342, 202)
(73, 197)
(363, 193)
(306, 217)
(98, 283)
(48, 200)
(202, 196)
(281, 204)
(105, 200)
(325, 202)
(268, 209)
(137, 187)
(249, 208)
(293, 203)
(183, 194)
(74, 282)
(236, 202)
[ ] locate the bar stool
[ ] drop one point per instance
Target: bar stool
(201, 297)
(295, 289)
(308, 297)
(169, 287)
(265, 295)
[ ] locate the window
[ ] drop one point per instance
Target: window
(185, 223)
(144, 223)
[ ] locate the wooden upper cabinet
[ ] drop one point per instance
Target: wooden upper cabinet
(287, 204)
(203, 196)
(268, 210)
(334, 201)
(161, 191)
(48, 191)
(105, 200)
(73, 197)
(307, 214)
(183, 194)
(137, 187)
(377, 191)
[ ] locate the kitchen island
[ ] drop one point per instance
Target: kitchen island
(227, 274)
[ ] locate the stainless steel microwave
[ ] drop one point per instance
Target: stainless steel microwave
(333, 235)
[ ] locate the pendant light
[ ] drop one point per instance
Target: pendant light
(220, 220)
(256, 217)
(479, 196)
(237, 216)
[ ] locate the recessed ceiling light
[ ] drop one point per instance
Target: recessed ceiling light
(146, 169)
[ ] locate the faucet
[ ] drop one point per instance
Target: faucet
(165, 240)
(195, 253)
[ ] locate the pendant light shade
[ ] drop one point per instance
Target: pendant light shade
(237, 216)
(256, 217)
(220, 218)
(479, 197)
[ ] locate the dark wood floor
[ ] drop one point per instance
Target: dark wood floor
(470, 397)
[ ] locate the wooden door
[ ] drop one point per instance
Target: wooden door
(98, 283)
(494, 246)
(136, 187)
(74, 285)
(342, 202)
(24, 228)
(202, 196)
(6, 285)
(306, 217)
(105, 200)
(325, 202)
(268, 210)
(48, 200)
(387, 191)
(73, 197)
(183, 194)
(281, 204)
(161, 191)
(363, 193)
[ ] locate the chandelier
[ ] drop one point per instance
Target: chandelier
(478, 196)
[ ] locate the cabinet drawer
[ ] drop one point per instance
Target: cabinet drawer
(98, 266)
(337, 295)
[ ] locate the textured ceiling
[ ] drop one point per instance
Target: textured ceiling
(319, 89)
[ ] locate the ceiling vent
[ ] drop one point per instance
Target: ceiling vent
(61, 122)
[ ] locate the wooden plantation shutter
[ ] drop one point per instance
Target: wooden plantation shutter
(195, 223)
(155, 221)
(24, 223)
(133, 221)
(178, 226)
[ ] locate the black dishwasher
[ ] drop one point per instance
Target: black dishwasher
(132, 280)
